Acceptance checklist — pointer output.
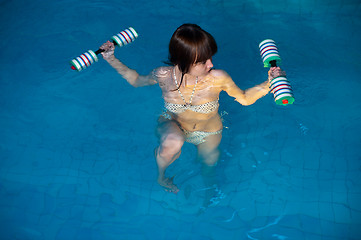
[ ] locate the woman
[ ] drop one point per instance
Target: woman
(190, 88)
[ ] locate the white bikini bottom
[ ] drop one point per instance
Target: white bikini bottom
(194, 137)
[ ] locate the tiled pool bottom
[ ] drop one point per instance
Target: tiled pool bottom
(77, 148)
(95, 189)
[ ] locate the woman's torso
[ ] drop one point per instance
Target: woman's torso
(202, 114)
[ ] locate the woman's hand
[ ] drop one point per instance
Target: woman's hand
(108, 48)
(275, 72)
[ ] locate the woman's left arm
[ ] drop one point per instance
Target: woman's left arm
(251, 95)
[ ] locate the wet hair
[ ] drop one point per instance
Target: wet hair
(190, 44)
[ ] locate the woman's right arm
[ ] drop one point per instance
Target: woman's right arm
(132, 77)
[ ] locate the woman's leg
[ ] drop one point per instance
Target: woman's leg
(208, 151)
(208, 154)
(171, 141)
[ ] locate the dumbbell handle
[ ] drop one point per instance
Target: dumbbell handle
(280, 86)
(86, 59)
(102, 50)
(99, 51)
(273, 63)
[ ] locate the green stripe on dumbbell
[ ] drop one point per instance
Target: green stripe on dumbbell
(75, 63)
(284, 99)
(271, 57)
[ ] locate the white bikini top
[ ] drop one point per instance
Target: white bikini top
(163, 73)
(202, 108)
(179, 108)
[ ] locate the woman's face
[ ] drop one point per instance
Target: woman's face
(201, 68)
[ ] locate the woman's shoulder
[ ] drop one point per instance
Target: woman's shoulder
(221, 78)
(220, 75)
(162, 72)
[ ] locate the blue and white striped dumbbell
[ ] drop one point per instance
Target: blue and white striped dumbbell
(280, 86)
(88, 58)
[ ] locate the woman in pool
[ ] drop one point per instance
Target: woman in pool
(190, 88)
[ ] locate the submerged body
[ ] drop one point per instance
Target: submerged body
(198, 115)
(190, 94)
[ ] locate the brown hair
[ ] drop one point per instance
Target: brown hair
(190, 44)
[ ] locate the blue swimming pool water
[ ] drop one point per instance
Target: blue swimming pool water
(77, 148)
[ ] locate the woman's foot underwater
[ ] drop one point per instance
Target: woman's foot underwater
(168, 185)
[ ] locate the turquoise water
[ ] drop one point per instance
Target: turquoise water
(77, 148)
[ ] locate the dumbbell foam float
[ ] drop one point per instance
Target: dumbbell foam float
(280, 86)
(88, 58)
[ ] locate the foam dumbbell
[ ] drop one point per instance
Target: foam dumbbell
(86, 59)
(280, 86)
